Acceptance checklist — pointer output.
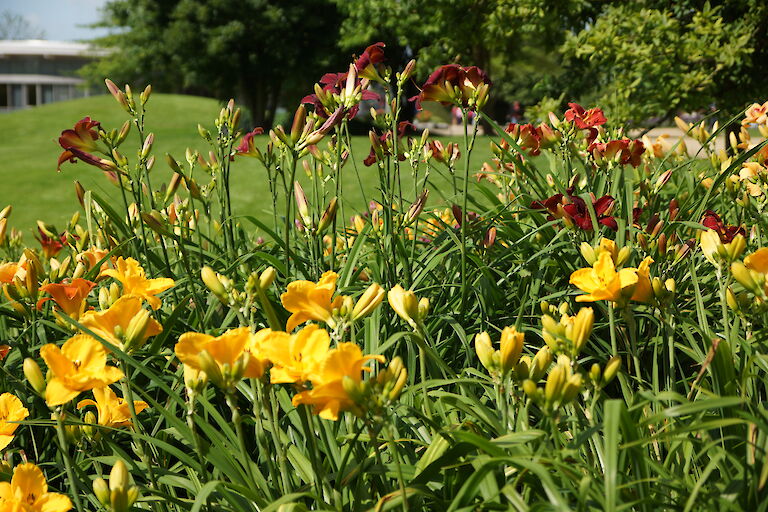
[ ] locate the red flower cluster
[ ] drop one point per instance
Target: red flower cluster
(366, 68)
(79, 141)
(584, 119)
(575, 210)
(455, 85)
(628, 151)
(727, 233)
(532, 138)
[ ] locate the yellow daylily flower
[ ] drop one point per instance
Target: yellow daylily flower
(602, 282)
(295, 357)
(758, 261)
(225, 359)
(126, 323)
(113, 411)
(643, 290)
(131, 276)
(79, 365)
(11, 410)
(28, 492)
(311, 301)
(328, 396)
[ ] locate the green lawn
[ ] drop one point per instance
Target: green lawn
(29, 150)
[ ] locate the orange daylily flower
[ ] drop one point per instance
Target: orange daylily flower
(28, 492)
(11, 410)
(328, 396)
(758, 261)
(92, 257)
(69, 296)
(11, 270)
(125, 323)
(296, 356)
(311, 301)
(131, 276)
(79, 365)
(113, 411)
(603, 282)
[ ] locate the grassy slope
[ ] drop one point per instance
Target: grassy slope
(29, 149)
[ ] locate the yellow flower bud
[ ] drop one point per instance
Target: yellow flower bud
(554, 385)
(582, 328)
(711, 246)
(623, 256)
(211, 368)
(118, 477)
(267, 278)
(136, 331)
(530, 389)
(405, 304)
(213, 283)
(34, 375)
(611, 369)
(484, 350)
(423, 308)
(588, 253)
(736, 247)
(540, 363)
(101, 491)
(369, 301)
(595, 373)
(571, 388)
(194, 380)
(746, 277)
(511, 348)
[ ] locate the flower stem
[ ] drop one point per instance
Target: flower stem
(135, 426)
(396, 456)
(67, 461)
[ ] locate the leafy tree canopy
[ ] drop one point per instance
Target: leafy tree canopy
(262, 52)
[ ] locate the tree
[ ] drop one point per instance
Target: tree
(260, 52)
(639, 59)
(16, 26)
(514, 41)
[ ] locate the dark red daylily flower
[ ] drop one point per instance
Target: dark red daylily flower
(575, 209)
(440, 87)
(528, 137)
(584, 119)
(78, 141)
(246, 147)
(52, 245)
(727, 233)
(628, 151)
(367, 63)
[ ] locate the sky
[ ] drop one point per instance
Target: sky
(62, 20)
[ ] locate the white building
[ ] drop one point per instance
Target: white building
(35, 72)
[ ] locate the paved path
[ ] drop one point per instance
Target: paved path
(443, 130)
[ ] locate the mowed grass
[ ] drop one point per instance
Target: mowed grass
(29, 150)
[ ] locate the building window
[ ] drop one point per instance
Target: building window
(17, 95)
(47, 93)
(31, 94)
(3, 96)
